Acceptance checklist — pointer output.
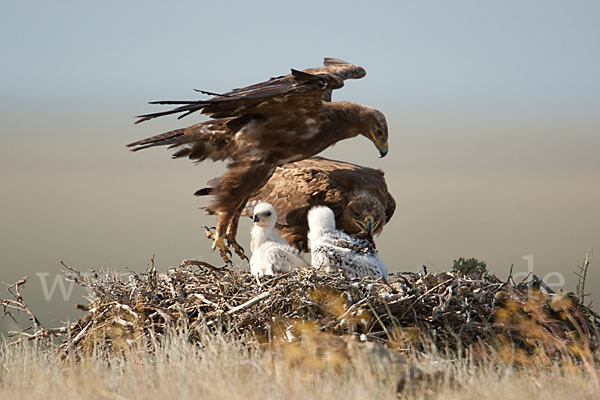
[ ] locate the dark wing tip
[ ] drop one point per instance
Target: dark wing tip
(203, 192)
(206, 92)
(360, 73)
(146, 117)
(303, 76)
(134, 144)
(332, 61)
(344, 69)
(133, 147)
(141, 118)
(137, 147)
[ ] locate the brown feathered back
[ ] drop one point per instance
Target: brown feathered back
(351, 191)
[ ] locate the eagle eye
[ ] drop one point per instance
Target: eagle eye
(268, 213)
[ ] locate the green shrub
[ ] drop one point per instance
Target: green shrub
(469, 266)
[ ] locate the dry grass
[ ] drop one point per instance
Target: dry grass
(223, 369)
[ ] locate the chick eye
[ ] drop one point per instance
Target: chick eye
(268, 213)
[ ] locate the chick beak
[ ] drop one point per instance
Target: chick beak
(255, 219)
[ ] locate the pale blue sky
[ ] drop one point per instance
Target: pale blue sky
(464, 53)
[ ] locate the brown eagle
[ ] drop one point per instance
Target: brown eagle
(357, 195)
(259, 127)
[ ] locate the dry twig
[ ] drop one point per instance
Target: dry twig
(448, 310)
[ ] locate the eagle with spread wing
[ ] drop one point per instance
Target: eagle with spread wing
(357, 195)
(259, 127)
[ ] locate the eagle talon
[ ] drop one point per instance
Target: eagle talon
(239, 250)
(209, 234)
(219, 243)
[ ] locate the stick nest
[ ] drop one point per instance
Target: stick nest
(448, 311)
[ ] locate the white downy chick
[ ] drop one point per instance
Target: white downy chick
(271, 254)
(332, 249)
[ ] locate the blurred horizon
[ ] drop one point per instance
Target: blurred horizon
(493, 110)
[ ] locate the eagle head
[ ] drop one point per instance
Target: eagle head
(363, 216)
(374, 128)
(264, 215)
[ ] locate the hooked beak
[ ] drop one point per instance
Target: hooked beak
(366, 227)
(382, 147)
(255, 218)
(369, 225)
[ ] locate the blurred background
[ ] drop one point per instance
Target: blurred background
(493, 109)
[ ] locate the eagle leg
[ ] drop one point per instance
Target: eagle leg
(219, 242)
(232, 230)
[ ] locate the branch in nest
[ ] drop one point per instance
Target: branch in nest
(18, 304)
(77, 277)
(582, 273)
(250, 302)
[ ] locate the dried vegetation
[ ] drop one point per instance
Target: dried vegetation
(470, 312)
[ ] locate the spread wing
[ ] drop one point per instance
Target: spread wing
(310, 87)
(339, 68)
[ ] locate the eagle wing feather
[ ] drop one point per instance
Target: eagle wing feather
(258, 127)
(309, 87)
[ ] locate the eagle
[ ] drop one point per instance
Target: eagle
(331, 249)
(271, 254)
(357, 195)
(260, 127)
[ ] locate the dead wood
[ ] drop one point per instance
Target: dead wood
(419, 311)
